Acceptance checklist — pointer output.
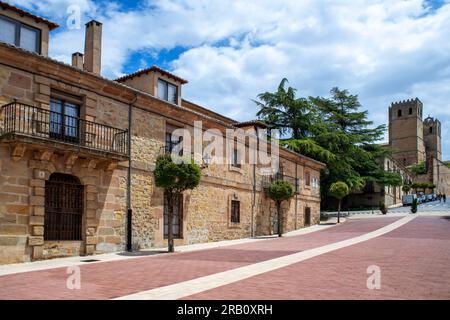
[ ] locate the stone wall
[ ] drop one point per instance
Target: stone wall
(25, 168)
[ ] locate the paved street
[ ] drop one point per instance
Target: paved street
(411, 252)
(426, 207)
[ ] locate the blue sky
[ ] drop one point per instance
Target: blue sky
(229, 51)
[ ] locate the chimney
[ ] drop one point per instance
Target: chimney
(93, 47)
(77, 60)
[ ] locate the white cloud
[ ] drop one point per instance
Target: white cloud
(382, 49)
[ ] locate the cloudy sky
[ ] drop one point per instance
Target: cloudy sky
(382, 50)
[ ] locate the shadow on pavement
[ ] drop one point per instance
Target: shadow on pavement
(142, 253)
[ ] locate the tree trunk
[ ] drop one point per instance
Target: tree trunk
(339, 212)
(170, 222)
(279, 219)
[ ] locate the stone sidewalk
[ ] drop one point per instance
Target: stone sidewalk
(113, 279)
(413, 261)
(117, 256)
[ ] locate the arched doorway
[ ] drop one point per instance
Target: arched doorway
(63, 208)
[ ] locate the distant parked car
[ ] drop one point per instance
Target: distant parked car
(408, 199)
(420, 199)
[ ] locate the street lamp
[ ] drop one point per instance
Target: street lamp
(206, 161)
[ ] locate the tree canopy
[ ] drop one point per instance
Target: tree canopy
(334, 130)
(280, 190)
(419, 168)
(339, 190)
(176, 177)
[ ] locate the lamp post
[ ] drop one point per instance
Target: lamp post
(206, 161)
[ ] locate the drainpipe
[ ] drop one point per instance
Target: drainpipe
(254, 182)
(129, 209)
(296, 195)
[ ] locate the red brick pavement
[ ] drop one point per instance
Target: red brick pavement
(113, 279)
(414, 261)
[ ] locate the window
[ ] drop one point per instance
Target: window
(64, 120)
(167, 91)
(315, 183)
(431, 129)
(235, 161)
(171, 141)
(307, 179)
(399, 113)
(19, 34)
(63, 208)
(410, 110)
(235, 211)
(177, 222)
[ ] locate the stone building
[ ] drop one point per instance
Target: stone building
(413, 140)
(78, 150)
(372, 194)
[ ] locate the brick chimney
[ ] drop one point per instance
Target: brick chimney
(77, 60)
(93, 47)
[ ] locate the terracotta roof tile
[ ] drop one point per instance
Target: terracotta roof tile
(152, 69)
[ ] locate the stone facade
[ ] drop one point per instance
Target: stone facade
(412, 140)
(27, 162)
(406, 135)
(373, 194)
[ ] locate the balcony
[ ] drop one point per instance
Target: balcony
(268, 179)
(31, 125)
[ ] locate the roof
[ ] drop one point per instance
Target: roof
(152, 69)
(249, 123)
(224, 123)
(21, 12)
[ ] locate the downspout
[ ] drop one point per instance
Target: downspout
(297, 185)
(255, 160)
(129, 209)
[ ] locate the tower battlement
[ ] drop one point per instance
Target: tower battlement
(431, 121)
(408, 102)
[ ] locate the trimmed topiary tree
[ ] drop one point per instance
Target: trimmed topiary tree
(175, 178)
(280, 191)
(339, 190)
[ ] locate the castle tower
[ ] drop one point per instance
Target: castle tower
(406, 131)
(432, 137)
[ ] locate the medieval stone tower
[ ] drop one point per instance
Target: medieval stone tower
(406, 131)
(432, 137)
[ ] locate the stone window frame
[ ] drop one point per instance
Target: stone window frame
(171, 126)
(18, 30)
(236, 167)
(167, 84)
(41, 173)
(235, 214)
(308, 179)
(231, 198)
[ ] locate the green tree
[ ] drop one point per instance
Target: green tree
(406, 188)
(352, 138)
(339, 190)
(419, 168)
(294, 117)
(334, 130)
(175, 178)
(280, 191)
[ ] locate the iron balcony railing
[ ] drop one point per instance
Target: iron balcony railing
(17, 119)
(268, 179)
